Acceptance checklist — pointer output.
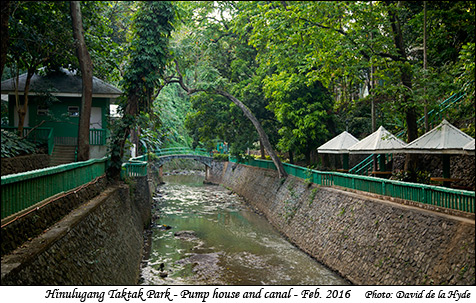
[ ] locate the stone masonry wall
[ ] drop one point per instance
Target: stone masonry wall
(98, 243)
(44, 215)
(367, 240)
(24, 163)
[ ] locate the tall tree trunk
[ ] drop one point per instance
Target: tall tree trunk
(87, 75)
(261, 133)
(406, 79)
(262, 152)
(22, 109)
(119, 140)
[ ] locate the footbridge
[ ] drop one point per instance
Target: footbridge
(137, 166)
(167, 154)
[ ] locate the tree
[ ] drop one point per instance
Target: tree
(205, 57)
(4, 32)
(87, 84)
(39, 36)
(148, 57)
(215, 88)
(340, 43)
(302, 110)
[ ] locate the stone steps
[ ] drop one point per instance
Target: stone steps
(63, 154)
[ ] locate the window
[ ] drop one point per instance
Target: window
(42, 110)
(73, 111)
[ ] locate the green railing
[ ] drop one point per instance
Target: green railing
(181, 151)
(135, 167)
(461, 200)
(39, 134)
(365, 167)
(23, 190)
(97, 136)
(46, 135)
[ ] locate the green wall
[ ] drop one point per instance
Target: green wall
(64, 126)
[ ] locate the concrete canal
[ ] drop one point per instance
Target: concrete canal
(205, 234)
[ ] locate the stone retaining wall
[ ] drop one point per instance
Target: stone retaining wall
(368, 241)
(24, 163)
(98, 243)
(43, 215)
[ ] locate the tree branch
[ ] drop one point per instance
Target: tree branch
(262, 134)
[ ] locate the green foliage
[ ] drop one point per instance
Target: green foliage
(40, 35)
(149, 53)
(148, 50)
(221, 157)
(302, 110)
(337, 43)
(172, 107)
(13, 146)
(212, 56)
(214, 117)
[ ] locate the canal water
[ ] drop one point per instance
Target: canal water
(206, 235)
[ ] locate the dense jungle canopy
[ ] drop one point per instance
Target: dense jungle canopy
(306, 70)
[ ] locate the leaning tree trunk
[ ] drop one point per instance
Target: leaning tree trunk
(262, 134)
(87, 76)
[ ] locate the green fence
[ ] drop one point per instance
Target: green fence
(97, 136)
(461, 200)
(44, 135)
(181, 151)
(135, 167)
(20, 191)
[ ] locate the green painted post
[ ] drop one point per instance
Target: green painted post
(446, 166)
(345, 160)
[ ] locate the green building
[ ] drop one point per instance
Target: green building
(54, 103)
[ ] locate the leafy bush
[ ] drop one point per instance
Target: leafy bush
(13, 145)
(221, 157)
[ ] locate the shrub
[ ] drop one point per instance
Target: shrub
(13, 145)
(220, 157)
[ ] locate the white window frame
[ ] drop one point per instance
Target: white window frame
(73, 111)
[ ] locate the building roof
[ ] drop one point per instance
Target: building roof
(469, 148)
(63, 83)
(338, 144)
(380, 141)
(443, 139)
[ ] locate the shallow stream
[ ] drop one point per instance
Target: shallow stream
(206, 235)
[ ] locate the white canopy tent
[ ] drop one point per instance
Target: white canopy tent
(379, 142)
(469, 148)
(339, 145)
(443, 139)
